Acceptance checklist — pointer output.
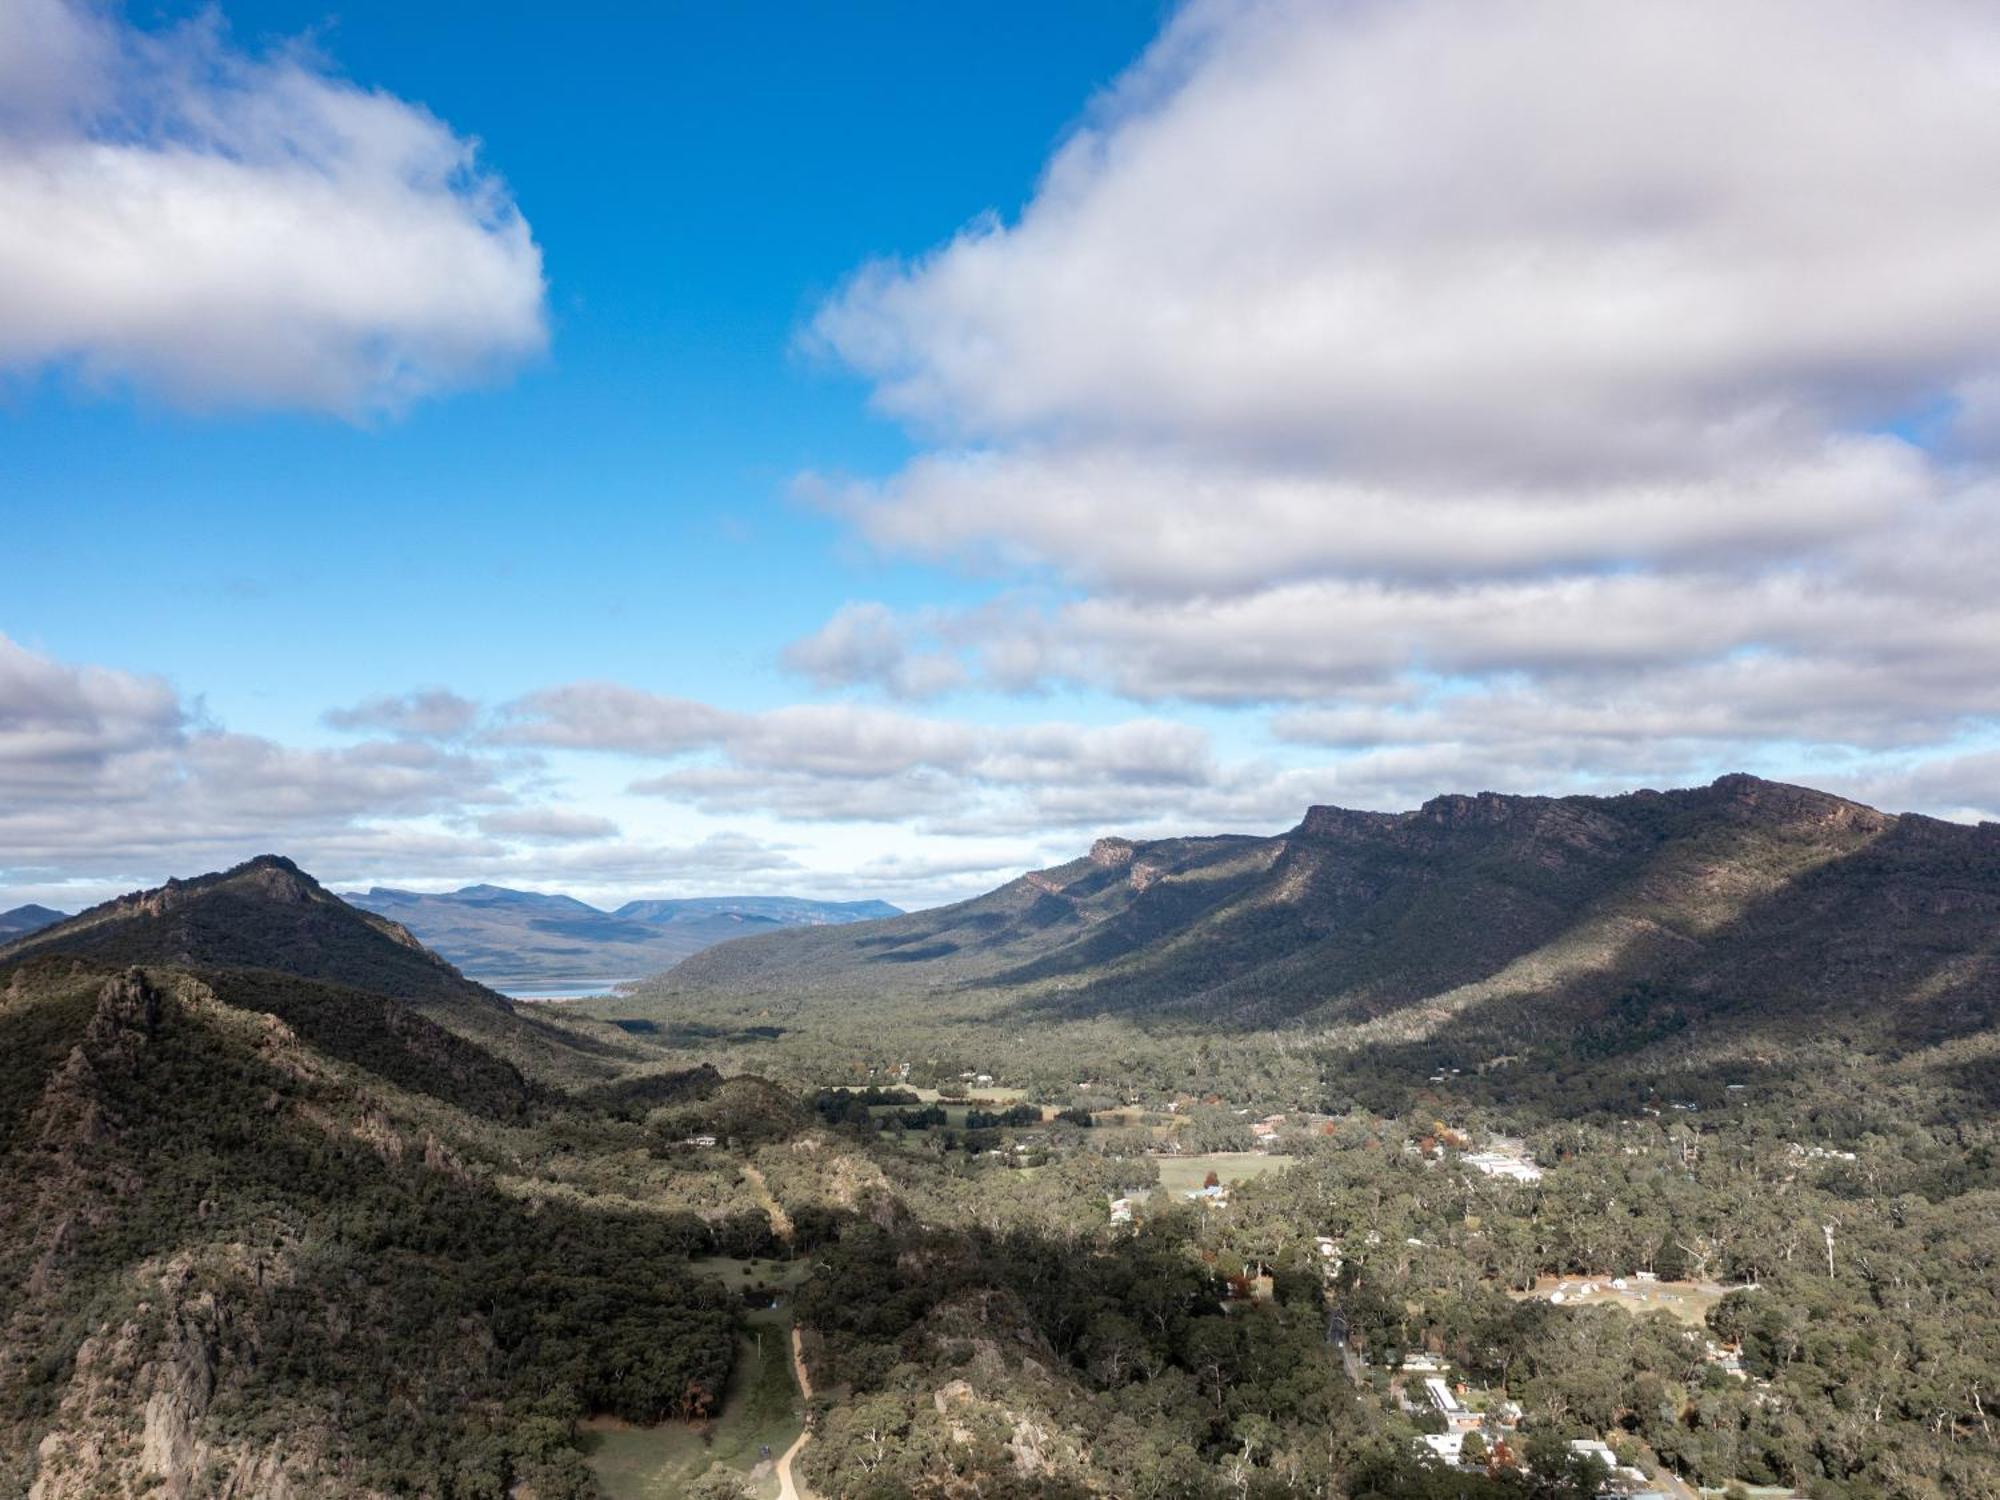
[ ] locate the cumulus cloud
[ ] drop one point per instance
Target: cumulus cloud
(430, 713)
(106, 774)
(647, 866)
(1500, 389)
(847, 762)
(865, 643)
(554, 825)
(1522, 237)
(609, 716)
(229, 229)
(61, 725)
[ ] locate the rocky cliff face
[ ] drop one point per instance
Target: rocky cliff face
(129, 1417)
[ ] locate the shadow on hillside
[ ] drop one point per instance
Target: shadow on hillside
(1889, 945)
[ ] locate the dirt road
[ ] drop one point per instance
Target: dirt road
(788, 1488)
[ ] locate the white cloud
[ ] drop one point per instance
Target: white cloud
(106, 774)
(61, 725)
(1457, 235)
(428, 713)
(864, 642)
(1512, 392)
(1162, 522)
(226, 229)
(845, 762)
(553, 825)
(609, 716)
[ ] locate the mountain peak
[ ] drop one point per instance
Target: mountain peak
(22, 920)
(274, 876)
(1112, 852)
(265, 913)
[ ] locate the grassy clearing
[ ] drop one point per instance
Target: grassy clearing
(1688, 1301)
(1183, 1174)
(761, 1410)
(990, 1100)
(737, 1274)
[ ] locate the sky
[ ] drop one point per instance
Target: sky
(870, 451)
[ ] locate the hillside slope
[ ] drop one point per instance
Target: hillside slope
(253, 1259)
(1502, 916)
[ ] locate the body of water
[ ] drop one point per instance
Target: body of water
(559, 989)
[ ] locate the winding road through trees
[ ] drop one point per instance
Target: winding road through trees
(788, 1488)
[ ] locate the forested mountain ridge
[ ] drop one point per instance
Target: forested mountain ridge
(269, 920)
(265, 913)
(1745, 900)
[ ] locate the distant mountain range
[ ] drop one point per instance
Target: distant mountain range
(23, 920)
(527, 941)
(1483, 923)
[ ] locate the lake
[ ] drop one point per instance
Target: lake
(563, 989)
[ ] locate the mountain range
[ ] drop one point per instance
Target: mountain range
(527, 940)
(1489, 921)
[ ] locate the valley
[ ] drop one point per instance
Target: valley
(1720, 1199)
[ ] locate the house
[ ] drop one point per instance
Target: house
(1592, 1448)
(1449, 1446)
(1623, 1482)
(1729, 1361)
(1121, 1210)
(1504, 1164)
(1459, 1417)
(701, 1142)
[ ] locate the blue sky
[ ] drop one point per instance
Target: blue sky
(696, 176)
(871, 450)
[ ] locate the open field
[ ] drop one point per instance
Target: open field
(1126, 1116)
(986, 1094)
(992, 1100)
(1183, 1174)
(1688, 1301)
(761, 1410)
(737, 1274)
